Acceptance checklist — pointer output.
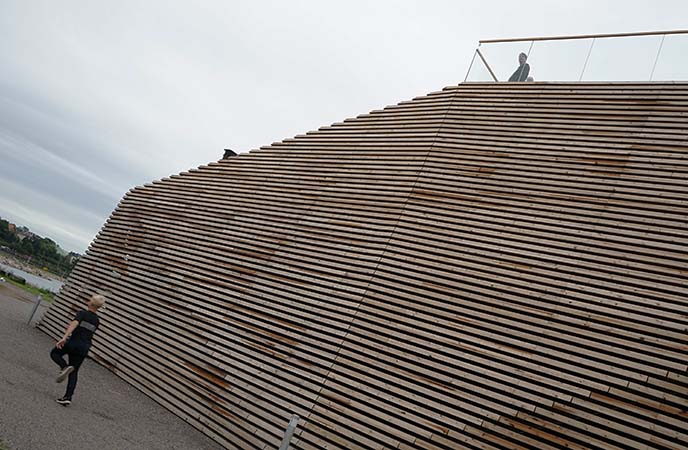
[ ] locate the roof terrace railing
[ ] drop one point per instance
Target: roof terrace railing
(638, 56)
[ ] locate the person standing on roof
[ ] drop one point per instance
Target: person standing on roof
(76, 343)
(523, 70)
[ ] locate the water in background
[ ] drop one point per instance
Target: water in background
(43, 283)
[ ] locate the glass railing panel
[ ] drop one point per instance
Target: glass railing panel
(643, 58)
(502, 58)
(558, 60)
(622, 59)
(672, 64)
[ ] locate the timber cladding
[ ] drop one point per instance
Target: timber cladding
(491, 266)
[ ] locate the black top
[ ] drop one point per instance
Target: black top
(521, 73)
(88, 323)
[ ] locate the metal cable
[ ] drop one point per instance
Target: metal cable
(471, 66)
(586, 59)
(659, 50)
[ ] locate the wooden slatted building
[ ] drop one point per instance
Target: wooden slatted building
(492, 266)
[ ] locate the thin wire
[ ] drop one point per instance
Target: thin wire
(659, 50)
(529, 49)
(475, 53)
(586, 59)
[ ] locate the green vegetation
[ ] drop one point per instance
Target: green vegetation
(47, 295)
(37, 251)
(3, 446)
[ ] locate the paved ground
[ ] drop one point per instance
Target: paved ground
(106, 414)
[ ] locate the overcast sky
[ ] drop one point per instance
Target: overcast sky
(99, 96)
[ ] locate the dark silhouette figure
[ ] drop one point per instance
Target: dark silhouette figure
(523, 70)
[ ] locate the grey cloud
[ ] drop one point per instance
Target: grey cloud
(97, 97)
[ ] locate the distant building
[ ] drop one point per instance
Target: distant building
(23, 233)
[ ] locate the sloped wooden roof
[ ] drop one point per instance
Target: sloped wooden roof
(490, 266)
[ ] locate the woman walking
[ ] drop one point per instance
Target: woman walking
(76, 343)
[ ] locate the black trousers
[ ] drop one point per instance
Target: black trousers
(76, 353)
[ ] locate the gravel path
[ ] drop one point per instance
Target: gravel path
(106, 413)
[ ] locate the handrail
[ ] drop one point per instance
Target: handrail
(583, 36)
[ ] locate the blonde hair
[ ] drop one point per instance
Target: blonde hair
(97, 300)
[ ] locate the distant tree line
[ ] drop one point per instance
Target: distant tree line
(38, 251)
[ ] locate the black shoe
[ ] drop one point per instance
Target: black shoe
(64, 401)
(64, 373)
